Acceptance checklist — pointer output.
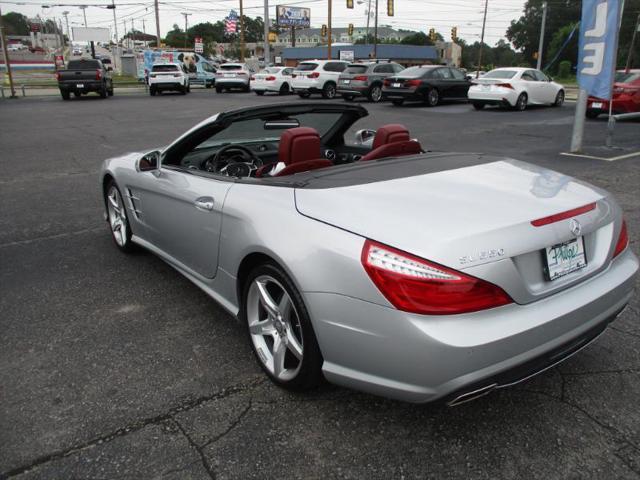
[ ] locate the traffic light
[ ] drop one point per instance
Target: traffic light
(432, 34)
(349, 3)
(454, 33)
(350, 30)
(323, 30)
(390, 8)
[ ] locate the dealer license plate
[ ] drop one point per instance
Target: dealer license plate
(395, 85)
(596, 105)
(346, 81)
(79, 85)
(229, 75)
(565, 258)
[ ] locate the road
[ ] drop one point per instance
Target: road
(118, 367)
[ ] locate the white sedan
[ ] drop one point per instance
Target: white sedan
(272, 79)
(515, 87)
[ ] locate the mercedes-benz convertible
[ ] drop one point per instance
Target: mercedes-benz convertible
(360, 258)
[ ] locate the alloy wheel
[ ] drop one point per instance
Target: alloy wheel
(521, 103)
(433, 97)
(376, 94)
(274, 327)
(117, 216)
(559, 99)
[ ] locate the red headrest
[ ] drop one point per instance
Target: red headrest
(390, 134)
(298, 145)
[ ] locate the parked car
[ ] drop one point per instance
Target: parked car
(626, 95)
(365, 79)
(517, 88)
(233, 76)
(422, 277)
(77, 51)
(317, 76)
(272, 79)
(426, 83)
(167, 77)
(205, 75)
(84, 76)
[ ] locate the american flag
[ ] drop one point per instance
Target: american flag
(231, 23)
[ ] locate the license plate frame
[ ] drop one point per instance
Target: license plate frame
(596, 105)
(396, 85)
(79, 85)
(564, 258)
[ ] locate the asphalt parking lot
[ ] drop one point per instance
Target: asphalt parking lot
(118, 367)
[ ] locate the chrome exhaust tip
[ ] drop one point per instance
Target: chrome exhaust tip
(473, 395)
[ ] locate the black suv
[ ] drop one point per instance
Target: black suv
(365, 79)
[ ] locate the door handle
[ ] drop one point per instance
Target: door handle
(204, 203)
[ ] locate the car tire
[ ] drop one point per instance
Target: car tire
(329, 91)
(65, 95)
(183, 90)
(348, 98)
(284, 89)
(77, 94)
(218, 89)
(433, 97)
(592, 114)
(375, 94)
(559, 99)
(117, 218)
(103, 92)
(188, 88)
(304, 94)
(110, 92)
(152, 91)
(478, 106)
(282, 339)
(259, 92)
(397, 101)
(521, 102)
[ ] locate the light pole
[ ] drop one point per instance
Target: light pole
(66, 21)
(84, 13)
(5, 53)
(541, 44)
(186, 26)
(267, 55)
(368, 10)
(157, 24)
(484, 22)
(375, 34)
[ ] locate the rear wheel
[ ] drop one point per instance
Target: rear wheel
(559, 99)
(433, 97)
(478, 106)
(329, 90)
(375, 94)
(279, 329)
(397, 101)
(103, 92)
(521, 102)
(259, 92)
(183, 90)
(65, 95)
(76, 94)
(117, 217)
(592, 114)
(188, 88)
(218, 89)
(303, 94)
(152, 91)
(284, 89)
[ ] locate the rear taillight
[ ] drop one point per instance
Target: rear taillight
(412, 83)
(252, 78)
(504, 85)
(360, 78)
(58, 76)
(313, 75)
(386, 83)
(270, 78)
(415, 285)
(98, 74)
(241, 73)
(623, 240)
(563, 215)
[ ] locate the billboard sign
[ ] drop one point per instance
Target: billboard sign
(91, 34)
(347, 55)
(598, 46)
(293, 16)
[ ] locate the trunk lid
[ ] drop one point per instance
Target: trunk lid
(467, 218)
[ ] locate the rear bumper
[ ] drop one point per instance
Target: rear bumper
(504, 98)
(402, 94)
(356, 90)
(265, 87)
(87, 86)
(231, 83)
(422, 358)
(619, 106)
(166, 86)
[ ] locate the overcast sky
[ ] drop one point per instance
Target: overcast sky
(409, 14)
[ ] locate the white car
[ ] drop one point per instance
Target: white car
(515, 87)
(317, 76)
(233, 75)
(272, 79)
(168, 76)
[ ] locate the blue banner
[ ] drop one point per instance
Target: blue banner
(598, 45)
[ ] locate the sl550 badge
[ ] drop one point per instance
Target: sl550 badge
(482, 255)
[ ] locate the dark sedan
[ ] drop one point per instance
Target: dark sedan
(426, 83)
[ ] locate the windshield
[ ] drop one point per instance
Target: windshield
(253, 130)
(414, 71)
(164, 68)
(272, 70)
(84, 65)
(306, 67)
(356, 69)
(500, 74)
(231, 67)
(622, 77)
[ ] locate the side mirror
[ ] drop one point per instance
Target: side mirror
(149, 162)
(365, 137)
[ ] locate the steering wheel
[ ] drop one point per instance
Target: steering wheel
(242, 163)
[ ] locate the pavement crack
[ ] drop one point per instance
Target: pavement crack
(133, 427)
(233, 425)
(205, 463)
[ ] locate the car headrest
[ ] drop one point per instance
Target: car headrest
(391, 133)
(298, 145)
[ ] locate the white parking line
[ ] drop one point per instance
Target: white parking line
(610, 159)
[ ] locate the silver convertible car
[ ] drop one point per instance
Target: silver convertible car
(364, 260)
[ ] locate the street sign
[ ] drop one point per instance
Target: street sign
(273, 37)
(198, 45)
(347, 55)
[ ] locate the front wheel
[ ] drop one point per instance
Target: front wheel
(347, 97)
(521, 102)
(65, 95)
(279, 329)
(592, 114)
(304, 94)
(152, 91)
(375, 94)
(259, 92)
(559, 99)
(329, 90)
(284, 89)
(117, 217)
(478, 106)
(218, 89)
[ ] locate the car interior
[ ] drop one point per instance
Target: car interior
(279, 146)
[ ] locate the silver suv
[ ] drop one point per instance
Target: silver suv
(365, 79)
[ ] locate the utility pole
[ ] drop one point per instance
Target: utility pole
(368, 20)
(115, 21)
(241, 33)
(84, 13)
(267, 55)
(5, 52)
(633, 44)
(375, 34)
(66, 21)
(144, 32)
(484, 23)
(157, 24)
(186, 27)
(541, 44)
(329, 32)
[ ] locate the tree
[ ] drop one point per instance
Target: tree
(15, 23)
(570, 52)
(418, 38)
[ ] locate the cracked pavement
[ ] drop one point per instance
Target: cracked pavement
(115, 367)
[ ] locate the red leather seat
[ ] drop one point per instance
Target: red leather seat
(392, 140)
(300, 151)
